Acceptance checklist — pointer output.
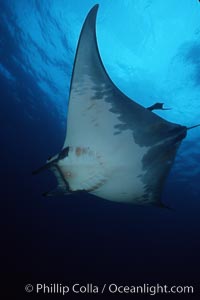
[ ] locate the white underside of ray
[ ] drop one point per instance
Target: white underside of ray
(91, 124)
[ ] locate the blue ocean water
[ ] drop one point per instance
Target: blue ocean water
(151, 49)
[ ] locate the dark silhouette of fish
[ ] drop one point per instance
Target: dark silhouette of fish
(158, 106)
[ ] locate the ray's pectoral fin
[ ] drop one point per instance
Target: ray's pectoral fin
(157, 106)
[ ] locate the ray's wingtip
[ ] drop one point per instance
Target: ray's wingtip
(91, 17)
(94, 10)
(169, 208)
(96, 6)
(34, 172)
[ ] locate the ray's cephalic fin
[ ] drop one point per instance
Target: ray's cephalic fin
(56, 192)
(52, 161)
(43, 168)
(63, 186)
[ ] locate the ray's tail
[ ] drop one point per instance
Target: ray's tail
(188, 128)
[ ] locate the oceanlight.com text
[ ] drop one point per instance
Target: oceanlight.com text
(111, 288)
